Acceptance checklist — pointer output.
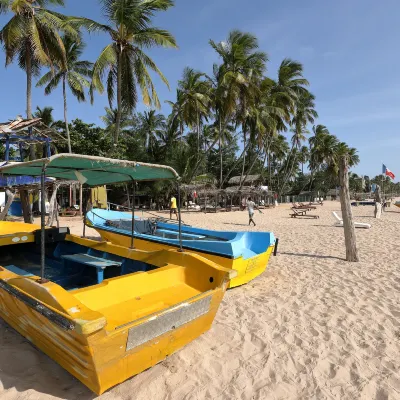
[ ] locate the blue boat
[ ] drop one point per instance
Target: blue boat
(246, 252)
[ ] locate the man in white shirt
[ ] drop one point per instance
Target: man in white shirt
(250, 207)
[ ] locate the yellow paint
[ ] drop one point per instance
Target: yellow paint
(16, 233)
(95, 352)
(98, 197)
(247, 269)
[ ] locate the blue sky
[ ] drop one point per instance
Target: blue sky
(348, 48)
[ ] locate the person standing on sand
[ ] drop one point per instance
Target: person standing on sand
(250, 207)
(173, 208)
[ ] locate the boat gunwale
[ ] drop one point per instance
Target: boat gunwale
(56, 316)
(150, 239)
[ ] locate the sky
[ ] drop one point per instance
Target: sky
(349, 50)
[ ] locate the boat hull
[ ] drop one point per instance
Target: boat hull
(247, 269)
(109, 332)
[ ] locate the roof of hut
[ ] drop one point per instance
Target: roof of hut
(28, 131)
(235, 180)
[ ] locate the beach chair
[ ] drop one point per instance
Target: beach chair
(339, 222)
(298, 206)
(308, 206)
(302, 213)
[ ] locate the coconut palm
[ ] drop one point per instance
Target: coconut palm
(176, 117)
(195, 92)
(74, 73)
(33, 36)
(304, 114)
(236, 79)
(45, 114)
(304, 156)
(110, 119)
(152, 126)
(124, 60)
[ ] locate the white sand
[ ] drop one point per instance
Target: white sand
(313, 326)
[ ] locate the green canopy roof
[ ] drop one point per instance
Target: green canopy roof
(90, 170)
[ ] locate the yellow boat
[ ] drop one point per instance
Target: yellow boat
(103, 312)
(247, 253)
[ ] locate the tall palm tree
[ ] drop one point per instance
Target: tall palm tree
(304, 114)
(33, 36)
(304, 156)
(235, 80)
(195, 92)
(322, 149)
(123, 60)
(152, 126)
(176, 117)
(74, 73)
(110, 119)
(46, 115)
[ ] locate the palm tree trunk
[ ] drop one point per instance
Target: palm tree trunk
(220, 149)
(348, 224)
(244, 156)
(28, 62)
(119, 97)
(251, 168)
(198, 133)
(236, 163)
(181, 129)
(287, 176)
(65, 116)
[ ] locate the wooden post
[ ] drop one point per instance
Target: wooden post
(26, 207)
(10, 198)
(53, 211)
(347, 215)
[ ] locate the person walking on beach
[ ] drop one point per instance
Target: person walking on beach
(173, 208)
(250, 207)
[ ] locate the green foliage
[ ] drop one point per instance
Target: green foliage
(123, 64)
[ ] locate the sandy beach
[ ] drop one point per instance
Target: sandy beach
(311, 327)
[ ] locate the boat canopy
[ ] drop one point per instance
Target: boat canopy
(90, 170)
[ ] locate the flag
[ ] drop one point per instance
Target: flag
(387, 172)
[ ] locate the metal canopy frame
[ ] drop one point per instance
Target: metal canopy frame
(105, 166)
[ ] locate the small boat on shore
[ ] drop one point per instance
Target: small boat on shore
(246, 252)
(102, 311)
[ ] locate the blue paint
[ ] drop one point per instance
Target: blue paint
(223, 243)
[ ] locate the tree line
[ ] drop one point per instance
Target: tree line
(237, 120)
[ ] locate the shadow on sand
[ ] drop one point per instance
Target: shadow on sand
(311, 255)
(232, 223)
(24, 367)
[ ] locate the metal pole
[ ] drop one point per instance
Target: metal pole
(42, 225)
(180, 219)
(86, 210)
(133, 213)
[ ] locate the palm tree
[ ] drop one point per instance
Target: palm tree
(323, 146)
(176, 117)
(124, 60)
(110, 119)
(33, 36)
(304, 156)
(152, 126)
(45, 114)
(235, 80)
(195, 92)
(74, 73)
(304, 113)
